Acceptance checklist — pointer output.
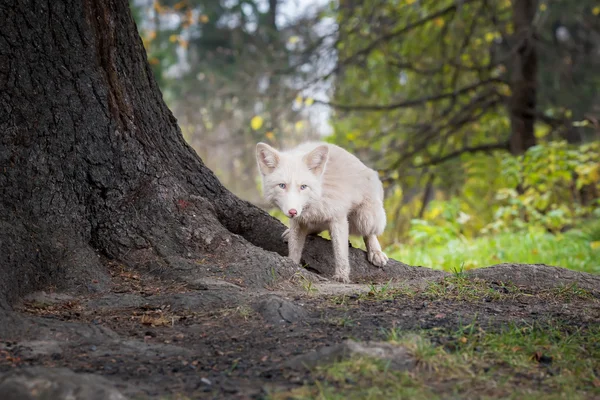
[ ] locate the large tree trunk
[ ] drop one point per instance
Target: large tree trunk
(524, 78)
(94, 167)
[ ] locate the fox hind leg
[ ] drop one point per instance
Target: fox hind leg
(376, 256)
(368, 220)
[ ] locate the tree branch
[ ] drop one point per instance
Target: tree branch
(398, 32)
(410, 103)
(472, 149)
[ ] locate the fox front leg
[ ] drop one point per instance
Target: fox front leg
(339, 237)
(285, 235)
(296, 238)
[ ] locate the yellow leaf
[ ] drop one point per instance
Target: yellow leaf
(270, 135)
(153, 61)
(579, 124)
(439, 22)
(183, 43)
(489, 37)
(568, 113)
(299, 125)
(309, 101)
(160, 8)
(256, 122)
(409, 2)
(596, 10)
(543, 7)
(595, 245)
(151, 35)
(505, 90)
(435, 212)
(188, 18)
(298, 100)
(173, 38)
(179, 5)
(293, 39)
(203, 18)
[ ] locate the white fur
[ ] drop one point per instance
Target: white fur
(340, 195)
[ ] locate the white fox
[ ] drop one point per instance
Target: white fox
(320, 187)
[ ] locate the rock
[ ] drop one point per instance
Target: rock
(399, 357)
(55, 384)
(276, 310)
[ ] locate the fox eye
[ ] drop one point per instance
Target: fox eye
(302, 187)
(282, 185)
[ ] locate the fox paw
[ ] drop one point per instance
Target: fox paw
(378, 258)
(285, 235)
(344, 278)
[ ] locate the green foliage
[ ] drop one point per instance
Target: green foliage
(552, 186)
(577, 249)
(443, 222)
(513, 209)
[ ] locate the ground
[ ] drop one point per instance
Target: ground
(157, 338)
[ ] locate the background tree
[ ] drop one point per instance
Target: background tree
(421, 85)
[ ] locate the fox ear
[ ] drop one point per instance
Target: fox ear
(316, 159)
(267, 158)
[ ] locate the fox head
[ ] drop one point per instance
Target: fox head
(291, 180)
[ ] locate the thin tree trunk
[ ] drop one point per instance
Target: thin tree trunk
(524, 78)
(272, 15)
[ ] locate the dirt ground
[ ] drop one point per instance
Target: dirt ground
(153, 338)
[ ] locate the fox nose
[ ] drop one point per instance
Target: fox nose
(292, 212)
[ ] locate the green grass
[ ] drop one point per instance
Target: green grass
(553, 361)
(576, 250)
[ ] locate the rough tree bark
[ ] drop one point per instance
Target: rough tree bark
(93, 166)
(524, 78)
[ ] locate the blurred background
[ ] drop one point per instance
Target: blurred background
(481, 116)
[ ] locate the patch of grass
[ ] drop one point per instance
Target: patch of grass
(571, 292)
(463, 288)
(380, 291)
(553, 361)
(359, 378)
(577, 250)
(308, 286)
(343, 321)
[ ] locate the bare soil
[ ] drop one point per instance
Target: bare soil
(153, 337)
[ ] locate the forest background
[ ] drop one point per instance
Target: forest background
(481, 116)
